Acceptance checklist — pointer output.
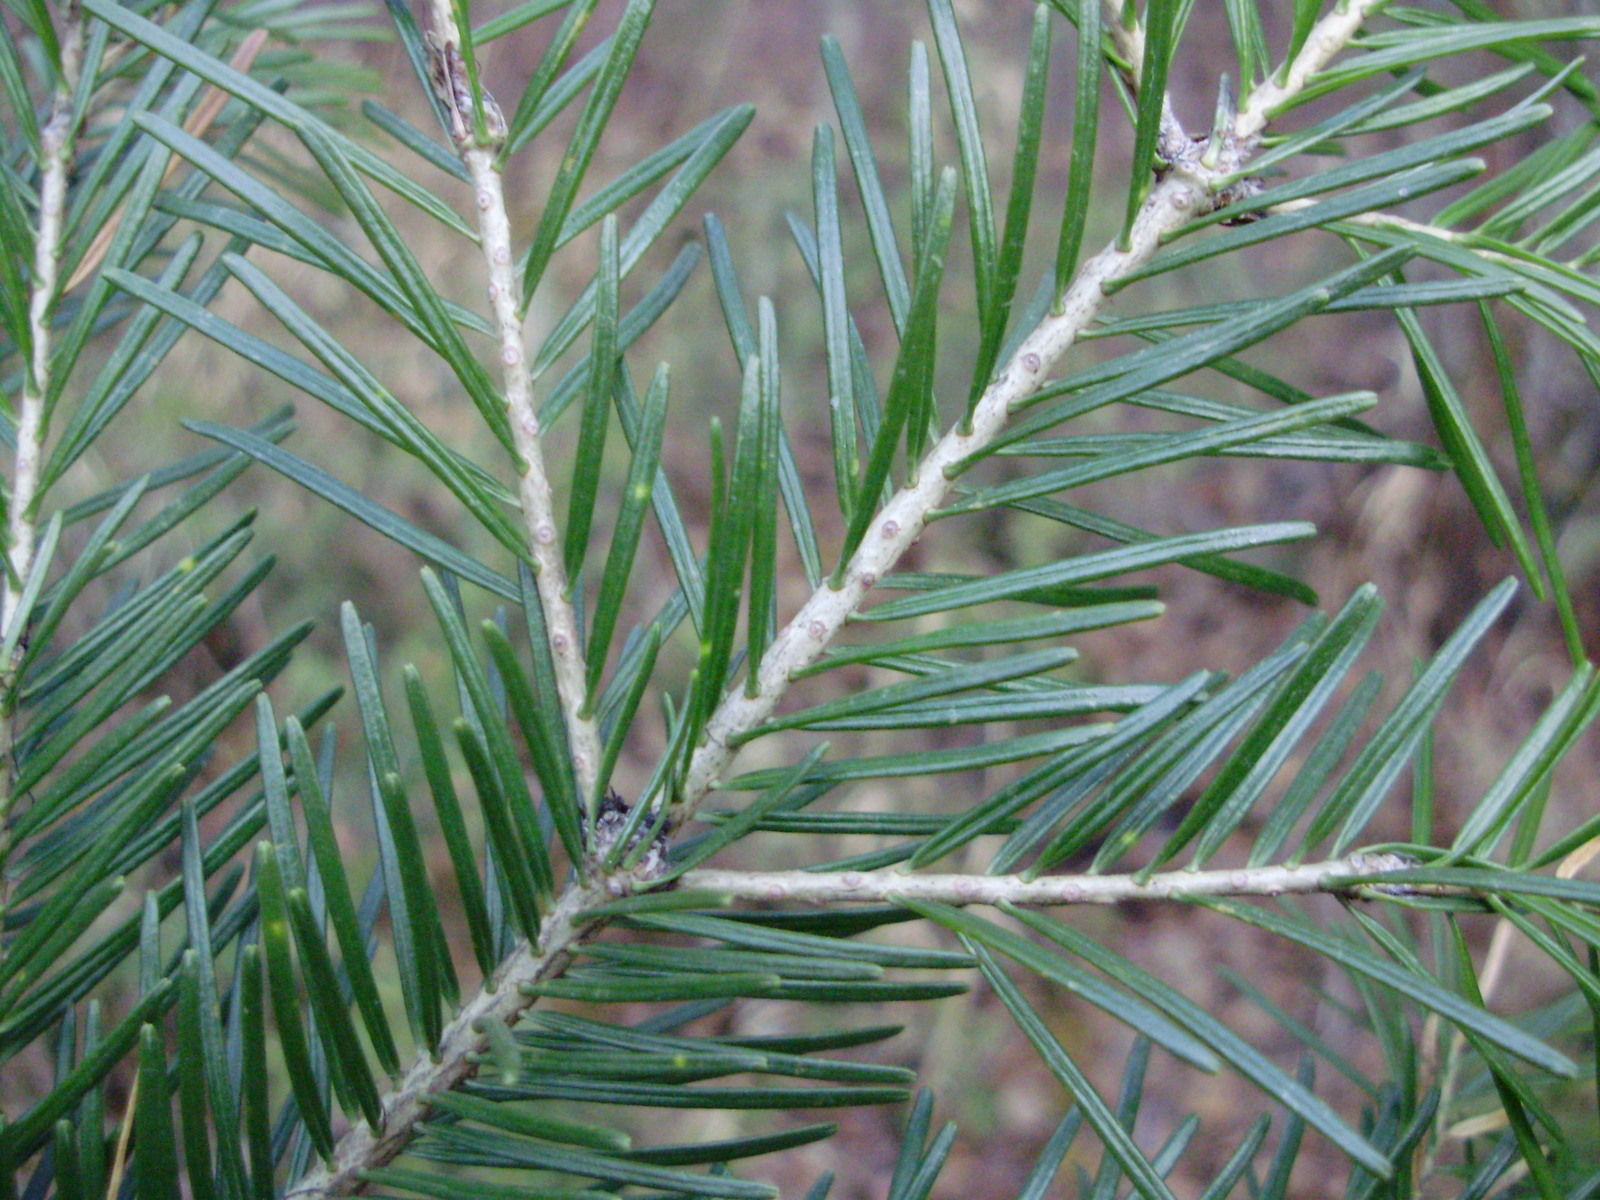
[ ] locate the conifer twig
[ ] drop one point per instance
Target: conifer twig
(364, 1148)
(871, 887)
(1189, 187)
(57, 138)
(1184, 191)
(1327, 37)
(479, 147)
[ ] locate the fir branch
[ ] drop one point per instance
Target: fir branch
(56, 145)
(870, 887)
(1176, 200)
(506, 995)
(1187, 188)
(478, 136)
(1192, 185)
(501, 999)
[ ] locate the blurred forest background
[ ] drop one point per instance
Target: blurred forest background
(1410, 532)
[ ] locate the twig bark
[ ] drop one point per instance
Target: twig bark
(479, 150)
(1327, 37)
(862, 887)
(500, 999)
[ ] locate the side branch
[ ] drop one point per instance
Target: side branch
(478, 153)
(1182, 194)
(855, 887)
(533, 484)
(1173, 202)
(56, 140)
(1187, 189)
(1327, 37)
(55, 152)
(500, 999)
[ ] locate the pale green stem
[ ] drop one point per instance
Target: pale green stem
(1327, 38)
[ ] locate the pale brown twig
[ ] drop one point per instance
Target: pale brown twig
(200, 119)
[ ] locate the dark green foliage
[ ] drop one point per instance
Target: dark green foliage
(326, 1016)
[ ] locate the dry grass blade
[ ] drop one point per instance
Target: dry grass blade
(200, 120)
(119, 1161)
